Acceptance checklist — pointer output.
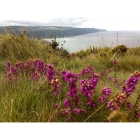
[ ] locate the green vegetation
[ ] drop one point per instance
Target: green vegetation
(49, 31)
(40, 82)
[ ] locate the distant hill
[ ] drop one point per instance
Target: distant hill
(49, 31)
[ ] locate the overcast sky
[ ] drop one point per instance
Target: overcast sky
(102, 14)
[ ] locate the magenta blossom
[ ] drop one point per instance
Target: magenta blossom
(87, 86)
(66, 111)
(56, 85)
(114, 62)
(67, 103)
(72, 83)
(76, 111)
(88, 70)
(56, 105)
(105, 93)
(50, 72)
(138, 115)
(111, 104)
(70, 77)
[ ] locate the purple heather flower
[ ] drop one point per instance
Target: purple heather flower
(121, 98)
(87, 89)
(128, 105)
(11, 76)
(50, 72)
(55, 83)
(69, 119)
(62, 75)
(111, 105)
(14, 70)
(127, 89)
(76, 111)
(103, 98)
(138, 115)
(87, 86)
(77, 101)
(109, 78)
(56, 105)
(123, 88)
(70, 77)
(115, 81)
(36, 76)
(20, 65)
(73, 93)
(57, 90)
(106, 91)
(91, 104)
(103, 73)
(131, 84)
(66, 111)
(88, 70)
(41, 65)
(8, 66)
(67, 103)
(137, 74)
(11, 72)
(114, 62)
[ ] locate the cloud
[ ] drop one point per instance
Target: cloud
(71, 22)
(18, 23)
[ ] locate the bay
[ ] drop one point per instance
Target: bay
(100, 39)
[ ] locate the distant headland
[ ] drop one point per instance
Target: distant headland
(49, 31)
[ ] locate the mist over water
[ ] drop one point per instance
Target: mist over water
(101, 39)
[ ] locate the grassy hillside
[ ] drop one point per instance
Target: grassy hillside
(49, 31)
(43, 83)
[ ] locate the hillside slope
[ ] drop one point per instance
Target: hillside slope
(49, 31)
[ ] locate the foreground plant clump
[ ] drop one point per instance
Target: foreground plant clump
(41, 82)
(61, 95)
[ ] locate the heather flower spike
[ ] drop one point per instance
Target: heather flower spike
(114, 62)
(67, 103)
(127, 90)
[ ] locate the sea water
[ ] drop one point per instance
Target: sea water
(100, 39)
